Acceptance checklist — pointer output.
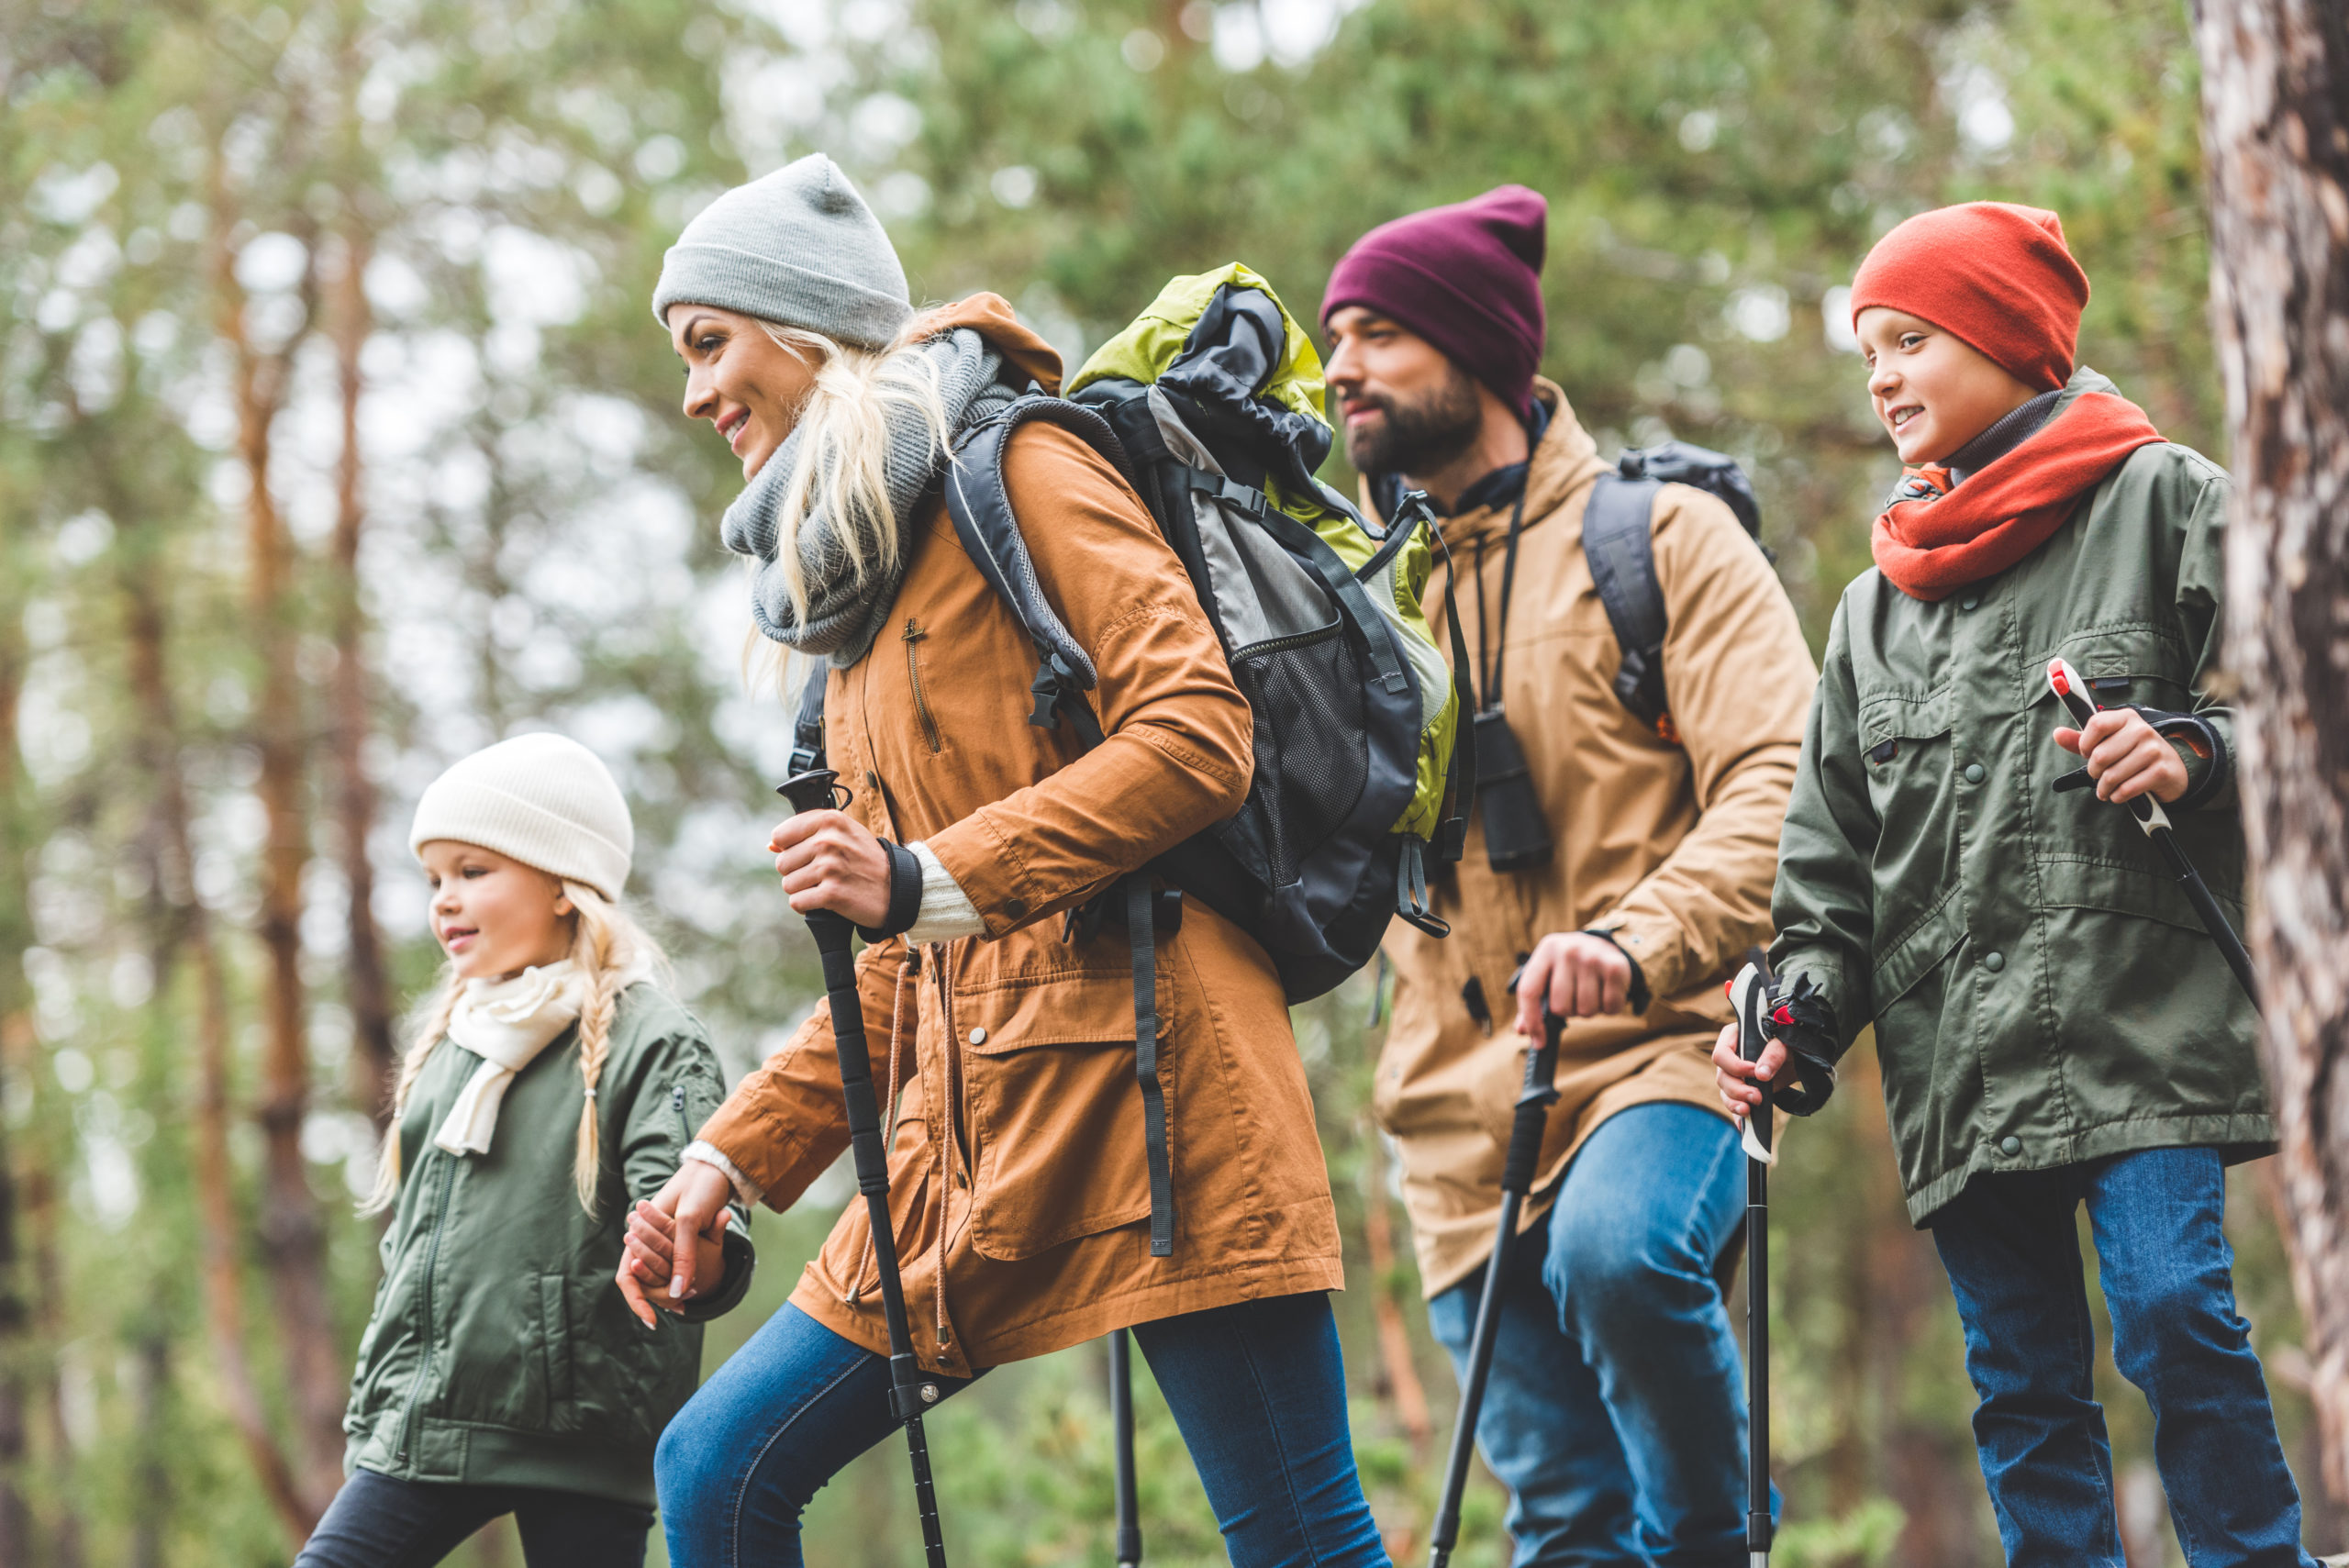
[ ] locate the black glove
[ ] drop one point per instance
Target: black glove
(1805, 1025)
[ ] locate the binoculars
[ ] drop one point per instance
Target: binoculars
(1517, 837)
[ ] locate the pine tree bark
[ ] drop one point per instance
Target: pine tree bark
(2276, 137)
(145, 634)
(293, 1236)
(366, 988)
(17, 1045)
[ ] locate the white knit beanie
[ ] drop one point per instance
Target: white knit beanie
(544, 800)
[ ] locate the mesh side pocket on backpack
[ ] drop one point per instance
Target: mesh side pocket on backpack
(1310, 722)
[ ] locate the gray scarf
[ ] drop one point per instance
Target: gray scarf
(845, 614)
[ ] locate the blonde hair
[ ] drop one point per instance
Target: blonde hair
(861, 398)
(612, 951)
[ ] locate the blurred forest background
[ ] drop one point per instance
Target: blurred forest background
(336, 440)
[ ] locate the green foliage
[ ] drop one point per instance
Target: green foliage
(540, 550)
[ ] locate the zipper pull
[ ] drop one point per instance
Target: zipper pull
(677, 1103)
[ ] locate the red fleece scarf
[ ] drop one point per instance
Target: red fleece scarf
(1934, 540)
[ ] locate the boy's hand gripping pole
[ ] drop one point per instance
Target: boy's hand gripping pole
(909, 1391)
(1753, 996)
(1516, 1181)
(2073, 693)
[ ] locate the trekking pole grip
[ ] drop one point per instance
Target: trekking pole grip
(1533, 1105)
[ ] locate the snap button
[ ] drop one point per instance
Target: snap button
(1969, 604)
(1973, 772)
(1994, 961)
(1015, 907)
(978, 1037)
(2010, 1145)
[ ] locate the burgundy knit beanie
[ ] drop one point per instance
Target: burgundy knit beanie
(1998, 275)
(1465, 277)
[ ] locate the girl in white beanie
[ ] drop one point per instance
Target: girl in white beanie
(553, 1082)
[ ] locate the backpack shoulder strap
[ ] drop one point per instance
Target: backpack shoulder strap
(1619, 542)
(980, 504)
(807, 728)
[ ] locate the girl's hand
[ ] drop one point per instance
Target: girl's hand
(828, 860)
(652, 1265)
(1735, 1077)
(2126, 757)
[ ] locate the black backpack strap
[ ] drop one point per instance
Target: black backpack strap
(807, 729)
(1619, 541)
(980, 504)
(1142, 934)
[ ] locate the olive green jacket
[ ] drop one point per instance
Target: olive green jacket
(2042, 994)
(499, 1350)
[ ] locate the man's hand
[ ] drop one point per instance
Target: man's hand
(828, 860)
(653, 1266)
(2127, 757)
(1580, 975)
(1735, 1077)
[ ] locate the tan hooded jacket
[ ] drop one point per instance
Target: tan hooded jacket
(1671, 847)
(1017, 1173)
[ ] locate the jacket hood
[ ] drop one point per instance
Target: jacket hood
(992, 317)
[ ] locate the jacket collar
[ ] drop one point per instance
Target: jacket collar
(1025, 355)
(1564, 460)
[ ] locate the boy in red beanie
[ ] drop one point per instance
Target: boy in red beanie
(1615, 1415)
(2054, 1025)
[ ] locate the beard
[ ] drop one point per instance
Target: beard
(1419, 436)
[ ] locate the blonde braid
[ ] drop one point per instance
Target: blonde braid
(433, 1028)
(602, 950)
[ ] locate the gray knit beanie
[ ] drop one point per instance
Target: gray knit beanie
(544, 800)
(798, 247)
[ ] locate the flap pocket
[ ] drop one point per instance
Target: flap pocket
(2122, 665)
(1912, 954)
(1897, 719)
(1057, 1006)
(1055, 1108)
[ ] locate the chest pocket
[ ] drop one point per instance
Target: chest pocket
(2124, 664)
(1905, 749)
(1054, 1111)
(2093, 855)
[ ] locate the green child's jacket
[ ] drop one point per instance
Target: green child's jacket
(499, 1350)
(2041, 992)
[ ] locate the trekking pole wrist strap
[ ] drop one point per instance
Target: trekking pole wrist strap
(905, 895)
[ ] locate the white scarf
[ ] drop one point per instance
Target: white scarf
(506, 1023)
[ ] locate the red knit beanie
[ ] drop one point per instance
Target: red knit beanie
(1465, 277)
(1998, 275)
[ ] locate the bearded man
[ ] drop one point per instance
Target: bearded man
(1628, 886)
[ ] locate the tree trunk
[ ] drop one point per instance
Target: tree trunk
(2276, 135)
(1399, 1376)
(367, 989)
(291, 1235)
(16, 1052)
(158, 729)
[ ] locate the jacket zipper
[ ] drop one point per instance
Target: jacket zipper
(431, 1262)
(914, 634)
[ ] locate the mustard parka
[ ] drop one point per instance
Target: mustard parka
(1672, 847)
(1019, 1195)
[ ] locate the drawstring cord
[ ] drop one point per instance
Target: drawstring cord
(896, 1096)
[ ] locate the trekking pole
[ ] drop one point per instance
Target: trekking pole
(1516, 1181)
(2073, 693)
(909, 1391)
(1751, 996)
(1121, 1417)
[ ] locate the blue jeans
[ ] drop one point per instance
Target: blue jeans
(1616, 1413)
(2013, 1256)
(1257, 1390)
